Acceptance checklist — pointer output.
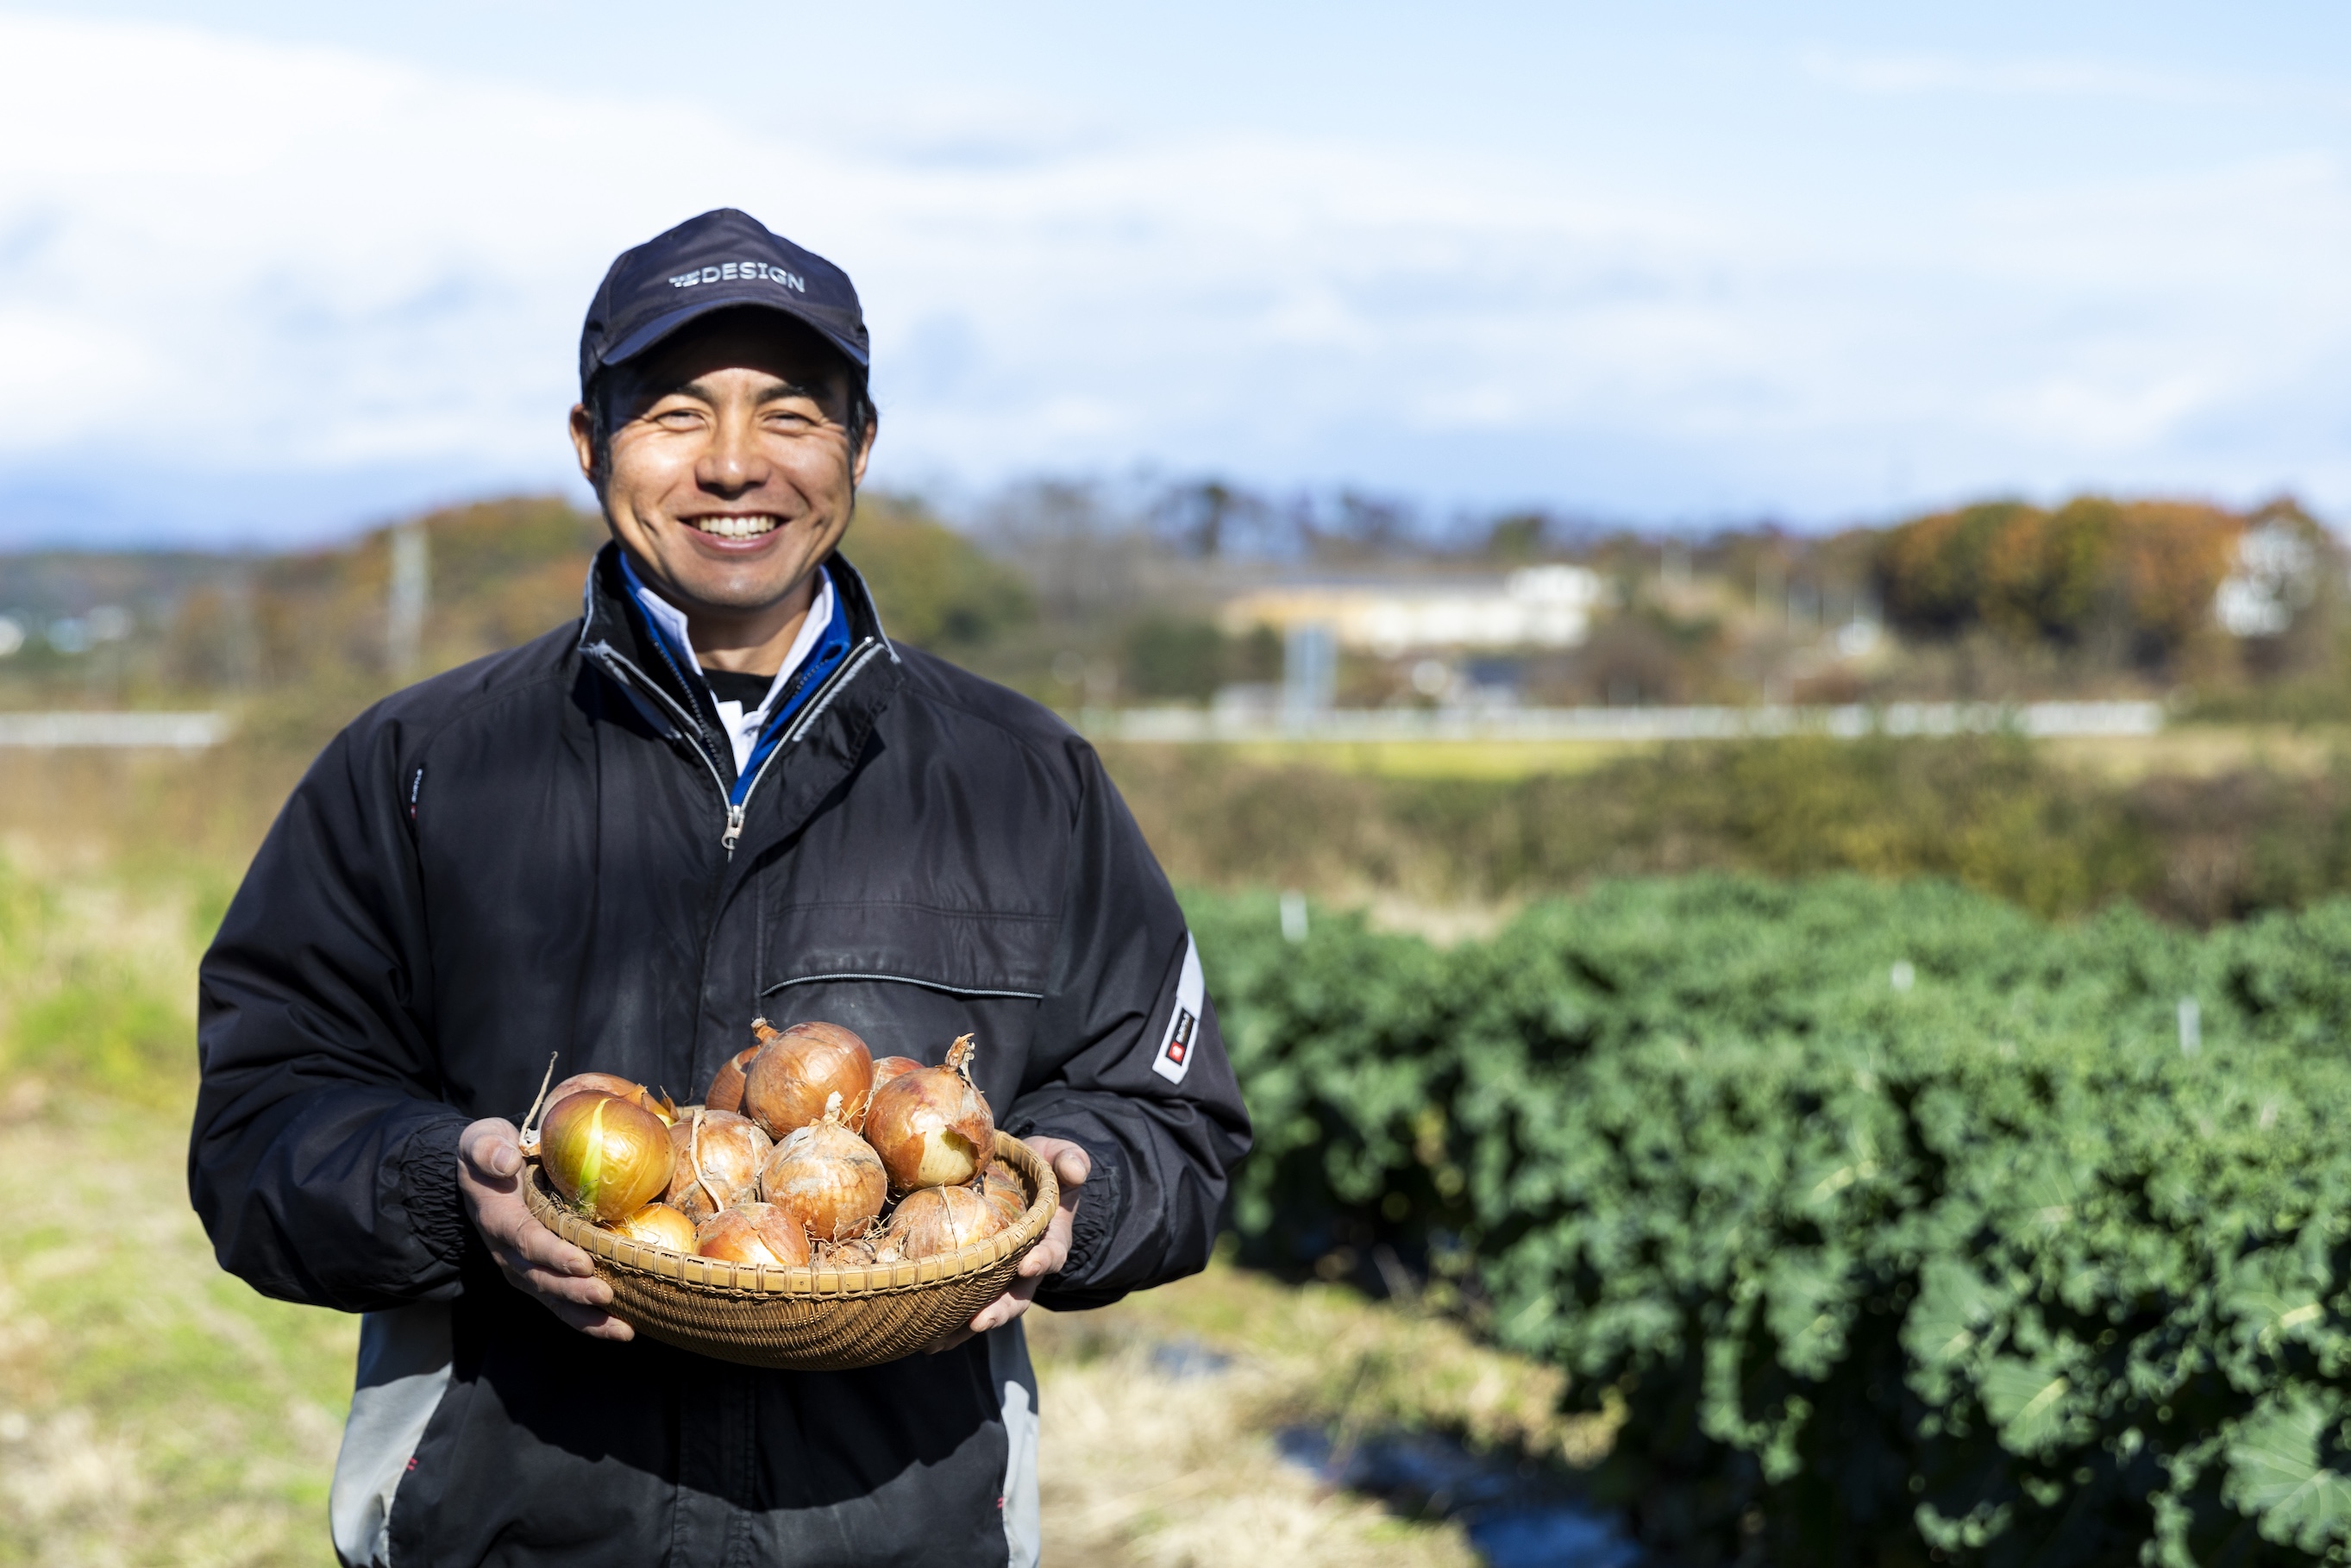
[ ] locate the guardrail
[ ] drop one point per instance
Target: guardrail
(162, 731)
(1848, 721)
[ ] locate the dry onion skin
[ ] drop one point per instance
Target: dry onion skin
(719, 1155)
(613, 1084)
(933, 1220)
(800, 1069)
(657, 1224)
(607, 1157)
(931, 1126)
(857, 1252)
(753, 1235)
(888, 1067)
(1000, 1186)
(827, 1178)
(726, 1089)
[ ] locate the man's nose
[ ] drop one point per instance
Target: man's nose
(733, 462)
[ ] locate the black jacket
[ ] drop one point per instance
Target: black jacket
(531, 853)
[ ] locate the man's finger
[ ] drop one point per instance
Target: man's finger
(590, 1321)
(1072, 1166)
(1046, 1257)
(493, 1147)
(588, 1292)
(1005, 1308)
(547, 1249)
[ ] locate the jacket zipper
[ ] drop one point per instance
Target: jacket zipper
(621, 666)
(857, 658)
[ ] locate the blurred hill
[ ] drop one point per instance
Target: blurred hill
(317, 627)
(1090, 596)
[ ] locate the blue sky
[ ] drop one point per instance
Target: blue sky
(267, 272)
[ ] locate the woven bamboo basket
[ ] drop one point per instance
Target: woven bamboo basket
(805, 1320)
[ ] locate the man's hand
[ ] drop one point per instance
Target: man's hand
(1072, 1166)
(537, 1261)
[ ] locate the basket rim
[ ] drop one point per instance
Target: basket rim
(710, 1277)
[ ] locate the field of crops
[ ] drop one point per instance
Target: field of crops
(1896, 1225)
(1878, 1221)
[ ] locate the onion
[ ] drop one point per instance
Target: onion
(890, 1067)
(934, 1219)
(1000, 1185)
(731, 1150)
(857, 1252)
(752, 1234)
(607, 1157)
(827, 1178)
(930, 1126)
(614, 1084)
(726, 1089)
(657, 1224)
(799, 1069)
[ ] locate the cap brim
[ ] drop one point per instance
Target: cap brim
(664, 325)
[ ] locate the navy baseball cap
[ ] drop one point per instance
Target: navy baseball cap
(720, 259)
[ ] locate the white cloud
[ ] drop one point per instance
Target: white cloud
(281, 259)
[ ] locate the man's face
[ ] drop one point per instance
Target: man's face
(730, 475)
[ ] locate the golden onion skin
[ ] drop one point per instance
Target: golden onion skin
(799, 1069)
(828, 1178)
(614, 1084)
(752, 1234)
(733, 1150)
(657, 1224)
(1000, 1186)
(726, 1089)
(933, 1221)
(858, 1252)
(888, 1067)
(607, 1157)
(931, 1126)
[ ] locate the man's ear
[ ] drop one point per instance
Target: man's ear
(865, 449)
(583, 443)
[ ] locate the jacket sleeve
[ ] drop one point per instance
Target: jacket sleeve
(323, 1162)
(1130, 1066)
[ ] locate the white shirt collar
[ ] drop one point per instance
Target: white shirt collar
(743, 727)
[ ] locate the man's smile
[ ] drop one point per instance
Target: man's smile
(735, 525)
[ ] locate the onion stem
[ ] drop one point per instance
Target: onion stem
(529, 1136)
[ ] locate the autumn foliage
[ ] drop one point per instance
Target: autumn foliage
(2137, 578)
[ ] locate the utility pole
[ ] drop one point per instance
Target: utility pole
(411, 596)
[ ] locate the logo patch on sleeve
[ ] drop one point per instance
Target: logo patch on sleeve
(1174, 1058)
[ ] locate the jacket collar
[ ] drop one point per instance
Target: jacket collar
(622, 644)
(610, 616)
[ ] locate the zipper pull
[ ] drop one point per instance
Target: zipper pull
(734, 828)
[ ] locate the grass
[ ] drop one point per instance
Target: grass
(2187, 751)
(1437, 758)
(154, 1410)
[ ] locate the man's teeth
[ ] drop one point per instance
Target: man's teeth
(736, 527)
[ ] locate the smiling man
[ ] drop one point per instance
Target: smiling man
(722, 793)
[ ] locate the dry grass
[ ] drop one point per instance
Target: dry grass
(2201, 751)
(155, 1410)
(1139, 1468)
(1150, 1459)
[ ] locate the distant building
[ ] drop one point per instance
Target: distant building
(2276, 573)
(1537, 607)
